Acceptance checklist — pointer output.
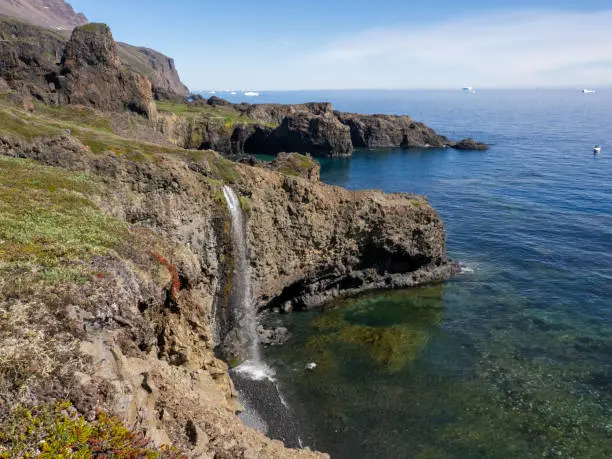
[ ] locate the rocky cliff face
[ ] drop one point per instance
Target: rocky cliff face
(53, 14)
(160, 69)
(136, 334)
(27, 55)
(91, 74)
(313, 128)
(32, 59)
(387, 131)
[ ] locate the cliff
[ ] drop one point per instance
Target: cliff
(35, 52)
(116, 296)
(157, 67)
(314, 128)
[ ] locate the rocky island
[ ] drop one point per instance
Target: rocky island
(116, 256)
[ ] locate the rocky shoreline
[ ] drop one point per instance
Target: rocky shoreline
(134, 305)
(313, 128)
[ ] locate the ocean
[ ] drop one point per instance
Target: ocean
(513, 357)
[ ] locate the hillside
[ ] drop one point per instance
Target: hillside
(59, 16)
(52, 14)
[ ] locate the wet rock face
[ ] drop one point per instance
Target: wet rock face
(273, 337)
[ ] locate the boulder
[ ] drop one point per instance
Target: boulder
(273, 337)
(470, 144)
(217, 101)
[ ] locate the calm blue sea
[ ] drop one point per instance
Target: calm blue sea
(513, 358)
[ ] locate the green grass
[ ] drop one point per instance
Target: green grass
(297, 165)
(24, 125)
(48, 432)
(94, 130)
(94, 27)
(228, 115)
(47, 225)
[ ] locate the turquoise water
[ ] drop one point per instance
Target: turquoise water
(512, 358)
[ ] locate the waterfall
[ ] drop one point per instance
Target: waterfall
(265, 409)
(242, 307)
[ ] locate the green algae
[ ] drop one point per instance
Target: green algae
(398, 376)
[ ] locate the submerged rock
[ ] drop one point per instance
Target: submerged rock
(273, 337)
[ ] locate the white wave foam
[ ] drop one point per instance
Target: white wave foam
(257, 371)
(466, 268)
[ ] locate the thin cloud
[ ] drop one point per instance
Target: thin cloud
(502, 49)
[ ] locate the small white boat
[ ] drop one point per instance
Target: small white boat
(596, 149)
(251, 94)
(468, 89)
(588, 91)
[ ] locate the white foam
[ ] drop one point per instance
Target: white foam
(256, 371)
(466, 269)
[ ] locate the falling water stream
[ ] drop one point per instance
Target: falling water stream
(264, 407)
(245, 314)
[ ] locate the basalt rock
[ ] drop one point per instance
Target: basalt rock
(387, 131)
(91, 74)
(317, 135)
(470, 144)
(28, 55)
(89, 68)
(313, 128)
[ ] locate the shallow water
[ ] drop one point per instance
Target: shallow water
(513, 358)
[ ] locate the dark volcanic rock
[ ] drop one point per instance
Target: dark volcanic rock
(470, 144)
(30, 63)
(317, 135)
(387, 131)
(28, 54)
(217, 101)
(273, 337)
(91, 74)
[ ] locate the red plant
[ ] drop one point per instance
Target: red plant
(175, 282)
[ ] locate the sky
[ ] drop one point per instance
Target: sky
(375, 44)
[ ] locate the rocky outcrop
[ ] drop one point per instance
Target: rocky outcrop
(304, 133)
(387, 131)
(313, 128)
(329, 242)
(91, 74)
(28, 54)
(35, 60)
(144, 343)
(158, 68)
(470, 144)
(296, 165)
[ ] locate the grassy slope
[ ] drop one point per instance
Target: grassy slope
(229, 115)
